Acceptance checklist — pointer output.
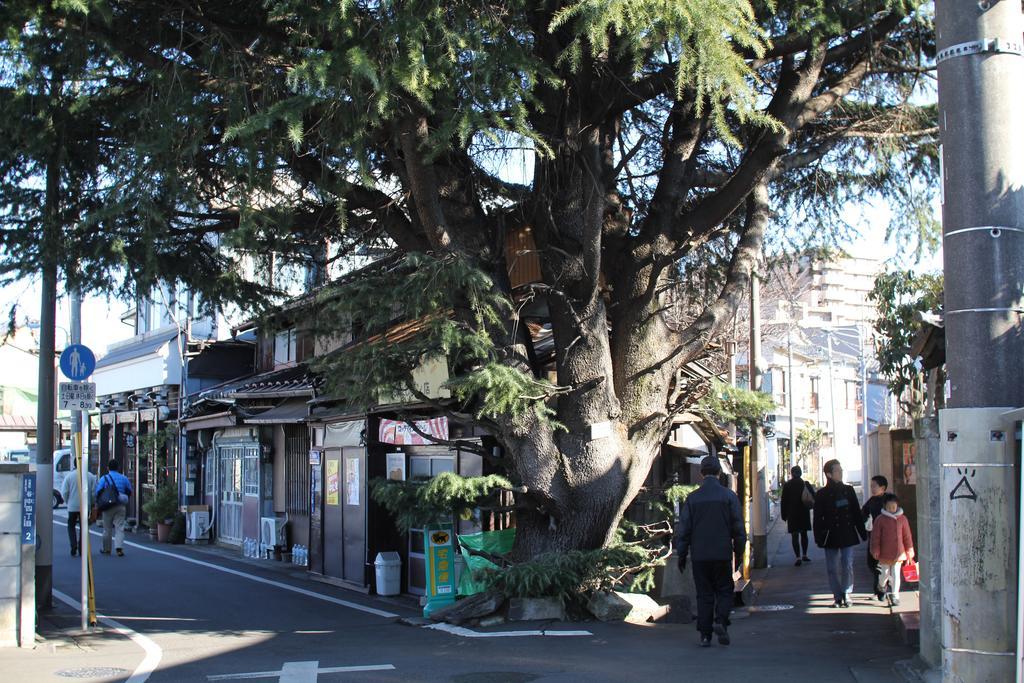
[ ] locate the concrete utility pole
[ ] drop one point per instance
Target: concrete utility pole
(980, 73)
(45, 408)
(759, 511)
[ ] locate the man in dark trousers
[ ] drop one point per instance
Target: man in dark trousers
(795, 509)
(838, 526)
(711, 526)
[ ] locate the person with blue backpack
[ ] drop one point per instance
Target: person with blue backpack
(112, 491)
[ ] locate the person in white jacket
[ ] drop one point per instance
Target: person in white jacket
(69, 491)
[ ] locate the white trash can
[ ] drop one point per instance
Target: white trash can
(388, 568)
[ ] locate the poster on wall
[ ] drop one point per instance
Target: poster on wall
(352, 481)
(332, 482)
(396, 466)
(909, 464)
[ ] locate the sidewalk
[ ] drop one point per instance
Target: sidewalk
(63, 652)
(799, 601)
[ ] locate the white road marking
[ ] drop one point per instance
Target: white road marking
(301, 672)
(153, 652)
(260, 579)
(447, 628)
(469, 633)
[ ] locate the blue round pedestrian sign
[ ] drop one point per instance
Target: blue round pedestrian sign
(77, 362)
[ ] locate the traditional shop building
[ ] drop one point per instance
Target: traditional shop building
(139, 383)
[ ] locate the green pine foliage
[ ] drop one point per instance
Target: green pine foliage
(692, 30)
(444, 306)
(735, 404)
(413, 504)
(573, 575)
(678, 493)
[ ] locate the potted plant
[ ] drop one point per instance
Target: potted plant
(161, 508)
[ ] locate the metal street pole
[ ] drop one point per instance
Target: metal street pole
(789, 397)
(864, 487)
(832, 395)
(759, 513)
(980, 72)
(78, 428)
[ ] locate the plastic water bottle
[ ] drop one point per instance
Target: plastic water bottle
(295, 554)
(248, 547)
(302, 556)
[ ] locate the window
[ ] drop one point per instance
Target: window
(284, 346)
(812, 400)
(251, 472)
(851, 395)
(296, 454)
(209, 470)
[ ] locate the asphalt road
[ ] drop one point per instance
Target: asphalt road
(216, 618)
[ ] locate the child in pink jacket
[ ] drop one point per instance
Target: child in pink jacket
(891, 545)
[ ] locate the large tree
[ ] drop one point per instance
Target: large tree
(633, 137)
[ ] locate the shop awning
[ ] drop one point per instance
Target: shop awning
(138, 348)
(685, 437)
(17, 423)
(214, 420)
(289, 412)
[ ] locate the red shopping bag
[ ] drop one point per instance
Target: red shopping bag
(910, 571)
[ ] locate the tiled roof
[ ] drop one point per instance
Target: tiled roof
(297, 380)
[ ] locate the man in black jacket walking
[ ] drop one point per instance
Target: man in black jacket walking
(710, 523)
(837, 526)
(796, 513)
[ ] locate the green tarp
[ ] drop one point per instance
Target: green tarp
(490, 542)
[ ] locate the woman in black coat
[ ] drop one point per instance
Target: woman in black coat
(796, 513)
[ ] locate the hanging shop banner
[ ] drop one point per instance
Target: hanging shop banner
(439, 541)
(332, 482)
(401, 433)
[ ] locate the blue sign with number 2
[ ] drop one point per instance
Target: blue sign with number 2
(28, 509)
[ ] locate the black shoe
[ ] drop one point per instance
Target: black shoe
(120, 552)
(836, 603)
(73, 552)
(104, 552)
(806, 559)
(881, 596)
(705, 640)
(723, 634)
(844, 603)
(797, 563)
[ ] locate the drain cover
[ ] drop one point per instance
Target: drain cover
(769, 608)
(92, 672)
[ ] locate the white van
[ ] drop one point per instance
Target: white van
(61, 467)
